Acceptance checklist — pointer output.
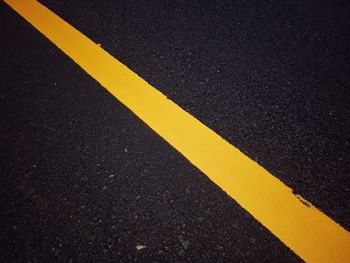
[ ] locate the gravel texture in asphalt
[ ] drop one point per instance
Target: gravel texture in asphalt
(84, 180)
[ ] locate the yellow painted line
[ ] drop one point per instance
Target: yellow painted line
(299, 225)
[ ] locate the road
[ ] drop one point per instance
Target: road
(85, 180)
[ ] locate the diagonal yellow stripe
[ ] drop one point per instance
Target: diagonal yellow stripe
(299, 225)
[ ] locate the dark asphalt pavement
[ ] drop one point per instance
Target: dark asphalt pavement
(84, 180)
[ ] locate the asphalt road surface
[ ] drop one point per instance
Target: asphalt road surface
(84, 180)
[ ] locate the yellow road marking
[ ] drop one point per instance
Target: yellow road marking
(299, 225)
